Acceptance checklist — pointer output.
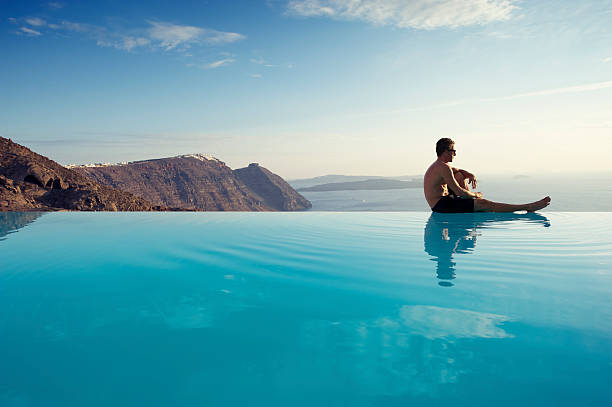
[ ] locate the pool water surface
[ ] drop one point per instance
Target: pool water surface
(291, 309)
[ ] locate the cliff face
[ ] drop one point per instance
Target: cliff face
(193, 181)
(29, 181)
(274, 190)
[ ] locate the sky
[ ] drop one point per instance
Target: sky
(312, 87)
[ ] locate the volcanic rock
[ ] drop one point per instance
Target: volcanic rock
(275, 191)
(29, 181)
(199, 182)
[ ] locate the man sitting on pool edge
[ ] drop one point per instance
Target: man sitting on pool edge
(447, 189)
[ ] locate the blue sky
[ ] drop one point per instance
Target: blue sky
(310, 87)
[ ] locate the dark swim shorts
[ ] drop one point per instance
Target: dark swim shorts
(454, 204)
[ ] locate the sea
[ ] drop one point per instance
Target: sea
(569, 193)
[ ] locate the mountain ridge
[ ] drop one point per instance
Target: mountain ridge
(30, 182)
(200, 182)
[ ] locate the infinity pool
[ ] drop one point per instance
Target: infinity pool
(311, 309)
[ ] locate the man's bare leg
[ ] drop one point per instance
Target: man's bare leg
(484, 205)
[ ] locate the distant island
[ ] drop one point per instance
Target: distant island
(194, 182)
(335, 178)
(369, 184)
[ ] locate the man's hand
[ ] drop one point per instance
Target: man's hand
(471, 178)
(477, 194)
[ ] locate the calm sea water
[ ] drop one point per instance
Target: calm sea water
(579, 193)
(286, 309)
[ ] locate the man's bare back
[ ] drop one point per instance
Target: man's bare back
(447, 189)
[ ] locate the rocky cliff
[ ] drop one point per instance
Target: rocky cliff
(199, 182)
(274, 190)
(29, 181)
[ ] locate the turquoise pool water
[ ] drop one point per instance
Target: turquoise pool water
(289, 309)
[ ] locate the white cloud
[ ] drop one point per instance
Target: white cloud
(255, 75)
(131, 42)
(219, 63)
(56, 5)
(215, 37)
(126, 43)
(79, 27)
(607, 59)
(311, 8)
(420, 14)
(31, 32)
(172, 35)
(263, 62)
(157, 35)
(36, 22)
(12, 20)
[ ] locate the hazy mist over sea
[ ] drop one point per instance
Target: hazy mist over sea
(569, 193)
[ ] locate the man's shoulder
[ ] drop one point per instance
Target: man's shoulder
(438, 166)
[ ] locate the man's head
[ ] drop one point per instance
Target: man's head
(445, 148)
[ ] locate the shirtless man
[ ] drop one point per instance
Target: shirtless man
(447, 189)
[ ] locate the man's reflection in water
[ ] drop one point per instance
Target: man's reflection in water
(449, 233)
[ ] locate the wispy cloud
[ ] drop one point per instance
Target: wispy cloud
(215, 37)
(547, 92)
(126, 43)
(30, 31)
(608, 59)
(56, 4)
(172, 35)
(219, 63)
(158, 35)
(420, 14)
(262, 62)
(255, 75)
(557, 91)
(36, 22)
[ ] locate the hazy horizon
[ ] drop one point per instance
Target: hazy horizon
(374, 172)
(313, 87)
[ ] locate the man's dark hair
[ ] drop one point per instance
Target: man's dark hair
(443, 144)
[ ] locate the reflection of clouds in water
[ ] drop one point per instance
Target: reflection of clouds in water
(55, 319)
(188, 316)
(435, 322)
(193, 312)
(412, 351)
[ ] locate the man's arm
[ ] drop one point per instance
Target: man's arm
(449, 178)
(467, 175)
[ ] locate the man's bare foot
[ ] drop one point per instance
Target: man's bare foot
(537, 205)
